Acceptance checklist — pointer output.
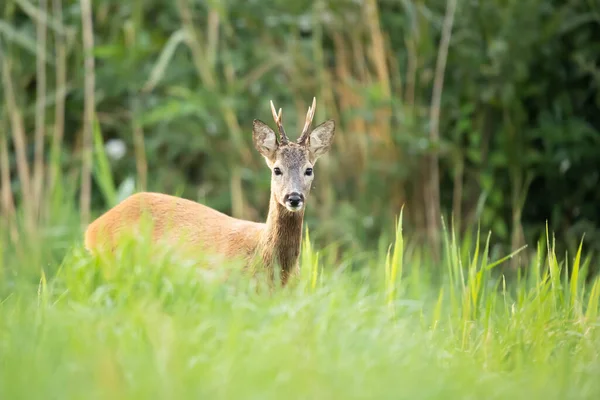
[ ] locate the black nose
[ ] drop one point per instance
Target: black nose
(294, 199)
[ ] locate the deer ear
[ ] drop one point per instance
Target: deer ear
(264, 139)
(320, 139)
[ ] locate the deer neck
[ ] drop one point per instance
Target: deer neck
(282, 238)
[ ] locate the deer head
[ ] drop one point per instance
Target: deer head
(292, 163)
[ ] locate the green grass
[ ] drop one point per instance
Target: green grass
(148, 326)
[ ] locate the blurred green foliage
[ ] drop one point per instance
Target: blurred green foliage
(520, 127)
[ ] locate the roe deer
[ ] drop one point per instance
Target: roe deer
(276, 243)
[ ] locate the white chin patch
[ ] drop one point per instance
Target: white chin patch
(299, 207)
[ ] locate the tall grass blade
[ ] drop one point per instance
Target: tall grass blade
(394, 262)
(102, 169)
(508, 257)
(574, 284)
(591, 313)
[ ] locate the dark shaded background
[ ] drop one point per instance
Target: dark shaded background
(179, 82)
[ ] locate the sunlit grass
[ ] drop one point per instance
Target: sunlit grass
(149, 325)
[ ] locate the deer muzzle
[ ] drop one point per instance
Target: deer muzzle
(294, 201)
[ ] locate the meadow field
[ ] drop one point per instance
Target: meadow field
(146, 325)
(452, 232)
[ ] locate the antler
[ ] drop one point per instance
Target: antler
(279, 122)
(309, 117)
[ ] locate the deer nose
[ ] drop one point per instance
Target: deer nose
(294, 200)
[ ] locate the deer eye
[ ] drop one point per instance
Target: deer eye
(308, 172)
(277, 171)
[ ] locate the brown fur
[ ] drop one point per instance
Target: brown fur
(281, 239)
(200, 228)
